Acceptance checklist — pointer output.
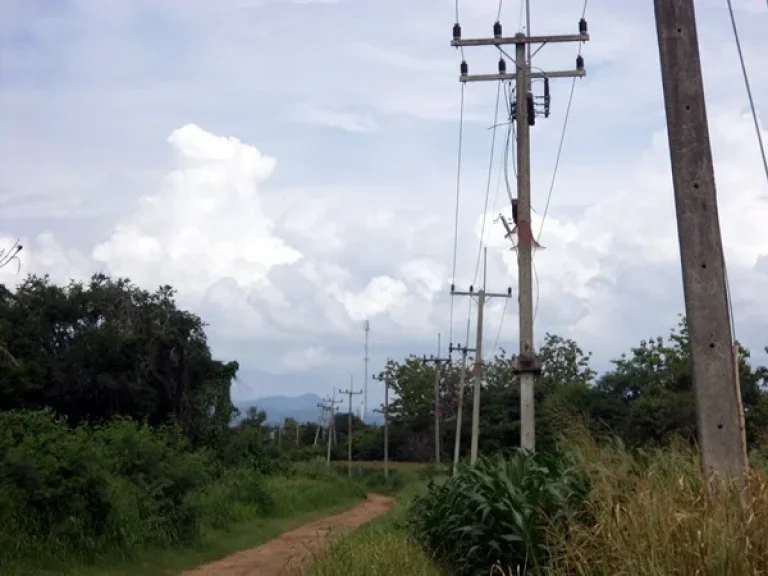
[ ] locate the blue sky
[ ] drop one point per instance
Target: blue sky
(290, 167)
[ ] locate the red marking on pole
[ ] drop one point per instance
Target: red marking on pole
(525, 235)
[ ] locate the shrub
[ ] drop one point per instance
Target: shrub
(495, 512)
(238, 494)
(87, 489)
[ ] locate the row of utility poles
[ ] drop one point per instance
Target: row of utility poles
(714, 356)
(720, 423)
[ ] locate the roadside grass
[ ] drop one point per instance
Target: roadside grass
(382, 547)
(297, 500)
(650, 513)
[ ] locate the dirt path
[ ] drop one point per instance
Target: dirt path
(292, 552)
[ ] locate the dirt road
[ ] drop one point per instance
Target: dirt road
(292, 552)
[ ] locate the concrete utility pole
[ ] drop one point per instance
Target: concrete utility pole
(715, 382)
(462, 375)
(438, 361)
(527, 365)
(350, 392)
(328, 404)
(482, 298)
(385, 379)
(367, 328)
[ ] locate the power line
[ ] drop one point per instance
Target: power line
(749, 89)
(562, 141)
(488, 185)
(498, 334)
(554, 174)
(458, 196)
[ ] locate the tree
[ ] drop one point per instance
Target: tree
(93, 351)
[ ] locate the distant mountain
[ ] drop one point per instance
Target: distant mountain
(303, 408)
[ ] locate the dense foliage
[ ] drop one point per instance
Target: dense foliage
(496, 512)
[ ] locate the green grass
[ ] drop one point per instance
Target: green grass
(380, 548)
(297, 500)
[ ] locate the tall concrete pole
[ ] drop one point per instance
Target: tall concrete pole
(527, 366)
(478, 379)
(437, 405)
(460, 408)
(715, 385)
(524, 249)
(350, 392)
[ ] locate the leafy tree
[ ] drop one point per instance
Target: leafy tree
(93, 351)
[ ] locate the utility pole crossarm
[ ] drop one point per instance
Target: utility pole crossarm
(495, 77)
(520, 39)
(488, 295)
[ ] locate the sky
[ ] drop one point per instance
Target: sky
(290, 166)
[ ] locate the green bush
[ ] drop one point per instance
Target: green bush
(495, 513)
(87, 489)
(238, 494)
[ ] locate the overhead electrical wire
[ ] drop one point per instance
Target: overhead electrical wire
(555, 172)
(488, 184)
(458, 197)
(763, 156)
(749, 89)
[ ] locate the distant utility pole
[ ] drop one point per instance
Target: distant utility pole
(715, 381)
(367, 328)
(385, 379)
(350, 392)
(462, 374)
(482, 298)
(327, 404)
(438, 361)
(527, 365)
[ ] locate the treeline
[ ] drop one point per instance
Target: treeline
(646, 399)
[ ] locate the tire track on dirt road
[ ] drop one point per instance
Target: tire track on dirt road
(293, 551)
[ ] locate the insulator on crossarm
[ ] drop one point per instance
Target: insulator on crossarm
(502, 66)
(464, 68)
(531, 110)
(471, 289)
(457, 31)
(579, 62)
(453, 288)
(497, 30)
(509, 291)
(582, 26)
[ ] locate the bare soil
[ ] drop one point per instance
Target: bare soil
(292, 552)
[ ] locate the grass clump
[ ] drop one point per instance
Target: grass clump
(651, 513)
(382, 547)
(495, 513)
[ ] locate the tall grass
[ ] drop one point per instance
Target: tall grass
(650, 513)
(382, 547)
